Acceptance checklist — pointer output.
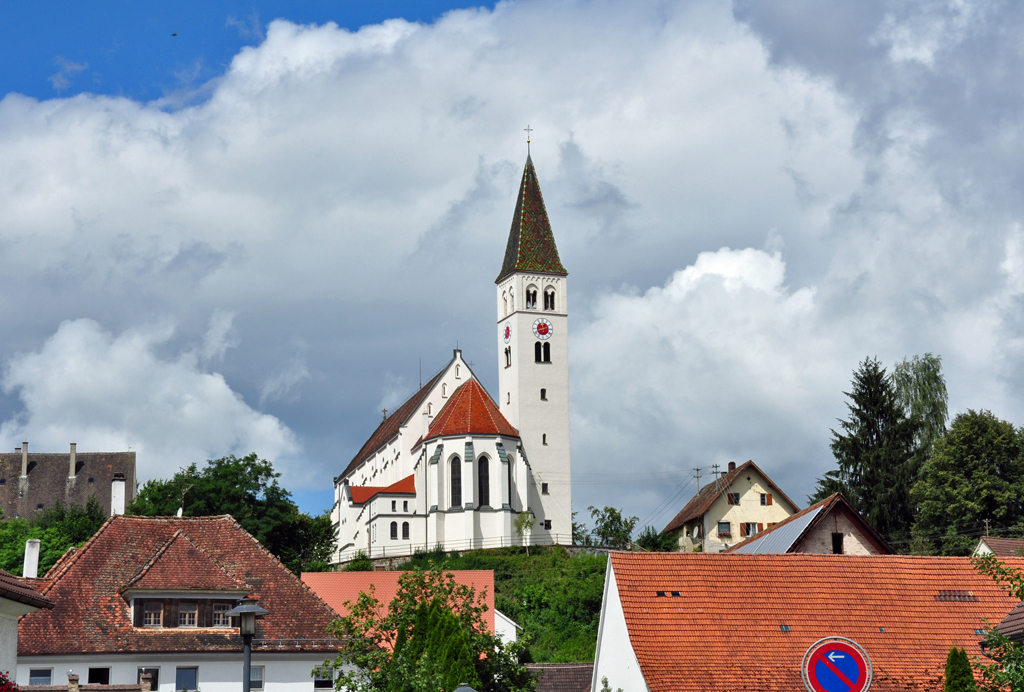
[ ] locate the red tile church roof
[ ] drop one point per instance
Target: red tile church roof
(717, 624)
(470, 411)
(365, 493)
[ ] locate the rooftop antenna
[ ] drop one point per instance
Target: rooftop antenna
(715, 472)
(528, 130)
(185, 475)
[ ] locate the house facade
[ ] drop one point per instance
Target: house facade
(743, 502)
(452, 466)
(150, 595)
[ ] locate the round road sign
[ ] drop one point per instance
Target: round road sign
(836, 664)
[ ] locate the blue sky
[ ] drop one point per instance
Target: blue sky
(129, 48)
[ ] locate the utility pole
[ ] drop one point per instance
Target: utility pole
(698, 478)
(986, 527)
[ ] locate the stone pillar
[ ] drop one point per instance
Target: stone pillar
(72, 682)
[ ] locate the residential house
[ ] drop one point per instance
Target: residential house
(337, 588)
(676, 622)
(741, 503)
(562, 677)
(1000, 547)
(151, 594)
(830, 526)
(17, 598)
(31, 483)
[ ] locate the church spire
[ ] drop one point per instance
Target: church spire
(531, 244)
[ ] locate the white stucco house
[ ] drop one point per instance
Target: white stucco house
(17, 598)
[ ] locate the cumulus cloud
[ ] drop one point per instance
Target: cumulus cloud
(114, 392)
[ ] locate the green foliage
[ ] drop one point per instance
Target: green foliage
(580, 534)
(611, 529)
(921, 391)
(523, 524)
(959, 677)
(553, 595)
(58, 529)
(248, 490)
(975, 472)
(361, 562)
(606, 688)
(431, 636)
(1006, 672)
(877, 454)
(652, 541)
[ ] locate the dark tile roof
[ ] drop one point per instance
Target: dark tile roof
(48, 482)
(562, 677)
(1004, 547)
(23, 591)
(531, 244)
(91, 616)
(390, 425)
(364, 493)
(832, 503)
(470, 411)
(181, 566)
(1012, 626)
(723, 632)
(707, 495)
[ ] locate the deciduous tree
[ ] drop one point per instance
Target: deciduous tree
(611, 529)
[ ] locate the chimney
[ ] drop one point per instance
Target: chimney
(17, 450)
(146, 682)
(24, 459)
(71, 460)
(117, 494)
(31, 568)
(732, 465)
(72, 682)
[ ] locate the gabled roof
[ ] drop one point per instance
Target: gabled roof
(1003, 547)
(470, 411)
(91, 616)
(14, 589)
(390, 425)
(785, 536)
(180, 566)
(335, 588)
(364, 493)
(707, 495)
(1012, 626)
(562, 677)
(724, 629)
(531, 244)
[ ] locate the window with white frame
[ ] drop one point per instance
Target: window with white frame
(40, 676)
(153, 615)
(256, 678)
(187, 614)
(186, 679)
(220, 615)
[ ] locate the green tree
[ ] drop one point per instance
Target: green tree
(1006, 672)
(523, 524)
(360, 562)
(611, 529)
(652, 541)
(58, 529)
(959, 677)
(921, 391)
(248, 490)
(877, 454)
(974, 473)
(431, 636)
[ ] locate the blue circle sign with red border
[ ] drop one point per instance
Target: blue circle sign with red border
(836, 664)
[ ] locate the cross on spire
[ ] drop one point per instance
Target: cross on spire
(527, 130)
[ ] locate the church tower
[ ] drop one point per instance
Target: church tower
(533, 360)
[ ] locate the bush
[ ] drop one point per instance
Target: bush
(959, 677)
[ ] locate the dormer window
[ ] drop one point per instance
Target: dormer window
(220, 615)
(187, 613)
(153, 615)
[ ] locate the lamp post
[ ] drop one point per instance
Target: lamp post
(247, 611)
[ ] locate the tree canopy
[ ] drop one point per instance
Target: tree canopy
(248, 490)
(921, 391)
(611, 529)
(974, 473)
(431, 636)
(57, 529)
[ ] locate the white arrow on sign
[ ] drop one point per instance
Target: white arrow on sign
(834, 655)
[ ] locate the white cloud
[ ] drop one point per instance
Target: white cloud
(279, 386)
(111, 392)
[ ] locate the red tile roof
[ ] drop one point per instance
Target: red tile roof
(562, 677)
(707, 495)
(390, 425)
(832, 503)
(723, 631)
(470, 411)
(335, 588)
(23, 591)
(1004, 547)
(180, 566)
(364, 493)
(91, 616)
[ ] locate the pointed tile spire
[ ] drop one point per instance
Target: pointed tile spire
(531, 244)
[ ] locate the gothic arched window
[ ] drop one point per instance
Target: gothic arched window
(547, 352)
(549, 299)
(405, 530)
(394, 530)
(456, 477)
(537, 352)
(531, 298)
(504, 302)
(484, 483)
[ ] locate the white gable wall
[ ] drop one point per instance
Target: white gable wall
(614, 658)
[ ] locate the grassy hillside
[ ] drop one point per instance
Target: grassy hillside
(554, 596)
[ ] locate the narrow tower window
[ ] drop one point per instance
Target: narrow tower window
(547, 352)
(549, 299)
(504, 302)
(456, 482)
(543, 395)
(508, 357)
(484, 482)
(509, 400)
(531, 299)
(537, 352)
(544, 439)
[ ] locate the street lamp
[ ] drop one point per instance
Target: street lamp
(247, 611)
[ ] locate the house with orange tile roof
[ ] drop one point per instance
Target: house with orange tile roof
(1001, 547)
(681, 622)
(337, 589)
(741, 503)
(452, 466)
(151, 595)
(830, 526)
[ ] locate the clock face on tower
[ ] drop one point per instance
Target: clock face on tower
(542, 329)
(506, 332)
